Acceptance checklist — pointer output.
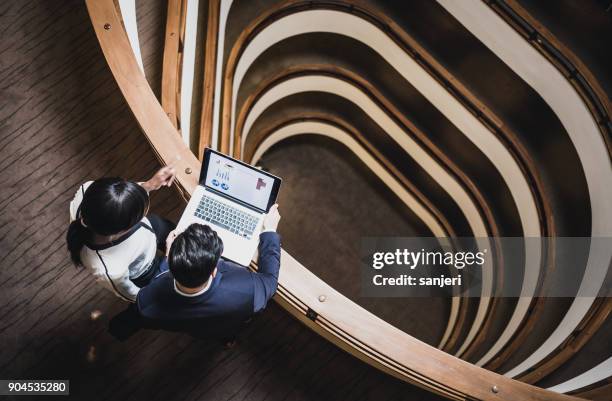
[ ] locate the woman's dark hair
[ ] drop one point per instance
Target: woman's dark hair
(194, 255)
(109, 206)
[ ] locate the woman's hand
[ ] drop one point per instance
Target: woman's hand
(163, 178)
(169, 240)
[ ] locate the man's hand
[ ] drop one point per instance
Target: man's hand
(271, 220)
(163, 178)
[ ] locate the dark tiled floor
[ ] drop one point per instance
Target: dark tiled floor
(62, 121)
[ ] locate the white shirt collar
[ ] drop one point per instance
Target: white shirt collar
(195, 294)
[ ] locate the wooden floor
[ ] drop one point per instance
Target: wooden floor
(63, 121)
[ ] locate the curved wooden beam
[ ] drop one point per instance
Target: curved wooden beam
(210, 62)
(590, 324)
(453, 330)
(337, 319)
(172, 60)
(190, 37)
(590, 384)
(287, 9)
(602, 392)
(130, 23)
(152, 118)
(584, 132)
(580, 76)
(459, 307)
(337, 86)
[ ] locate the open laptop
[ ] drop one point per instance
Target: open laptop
(232, 198)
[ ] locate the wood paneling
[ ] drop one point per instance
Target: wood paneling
(172, 62)
(210, 61)
(347, 325)
(587, 88)
(478, 108)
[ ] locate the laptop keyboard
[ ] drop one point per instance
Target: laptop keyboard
(225, 216)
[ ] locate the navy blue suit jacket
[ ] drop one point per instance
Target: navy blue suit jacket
(234, 295)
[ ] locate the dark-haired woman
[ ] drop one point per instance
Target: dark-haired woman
(112, 236)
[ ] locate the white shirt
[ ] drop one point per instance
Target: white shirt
(195, 294)
(113, 266)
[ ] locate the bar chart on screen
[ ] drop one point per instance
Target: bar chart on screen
(239, 181)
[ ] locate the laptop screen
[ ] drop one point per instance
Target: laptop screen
(240, 181)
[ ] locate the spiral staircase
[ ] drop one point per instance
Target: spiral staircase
(484, 118)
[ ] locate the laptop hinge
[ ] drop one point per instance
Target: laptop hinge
(311, 314)
(231, 199)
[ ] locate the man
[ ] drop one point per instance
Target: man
(204, 295)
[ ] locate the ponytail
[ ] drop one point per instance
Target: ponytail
(75, 238)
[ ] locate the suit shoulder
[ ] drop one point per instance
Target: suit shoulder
(227, 266)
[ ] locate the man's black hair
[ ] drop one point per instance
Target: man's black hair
(194, 255)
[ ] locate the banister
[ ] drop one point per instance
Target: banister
(564, 59)
(459, 305)
(174, 34)
(210, 61)
(344, 323)
(444, 78)
(559, 92)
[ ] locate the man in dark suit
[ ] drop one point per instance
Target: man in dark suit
(204, 295)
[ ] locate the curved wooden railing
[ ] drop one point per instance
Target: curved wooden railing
(593, 321)
(583, 336)
(350, 77)
(594, 96)
(344, 74)
(210, 62)
(410, 47)
(300, 292)
(347, 82)
(559, 91)
(563, 59)
(598, 392)
(172, 60)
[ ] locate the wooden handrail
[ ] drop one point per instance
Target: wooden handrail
(361, 138)
(591, 91)
(358, 81)
(336, 318)
(485, 115)
(255, 140)
(600, 392)
(557, 90)
(597, 316)
(172, 60)
(564, 59)
(210, 62)
(152, 118)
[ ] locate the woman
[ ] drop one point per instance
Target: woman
(111, 235)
